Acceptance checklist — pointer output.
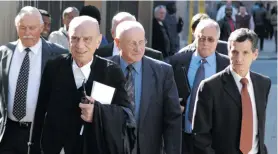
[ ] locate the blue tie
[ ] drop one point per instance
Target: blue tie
(200, 75)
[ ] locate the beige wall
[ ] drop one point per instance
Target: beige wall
(7, 26)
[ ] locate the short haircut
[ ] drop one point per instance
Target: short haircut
(243, 34)
(121, 16)
(68, 10)
(91, 11)
(157, 8)
(77, 21)
(196, 19)
(28, 10)
(207, 23)
(127, 25)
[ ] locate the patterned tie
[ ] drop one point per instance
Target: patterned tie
(246, 137)
(200, 75)
(19, 109)
(129, 86)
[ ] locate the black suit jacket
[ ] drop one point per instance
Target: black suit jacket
(217, 121)
(107, 51)
(180, 63)
(159, 114)
(49, 51)
(57, 119)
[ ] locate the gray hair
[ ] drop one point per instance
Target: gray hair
(119, 17)
(28, 10)
(157, 8)
(70, 9)
(243, 34)
(207, 23)
(127, 25)
(82, 20)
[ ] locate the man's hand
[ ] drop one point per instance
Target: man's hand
(87, 110)
(182, 109)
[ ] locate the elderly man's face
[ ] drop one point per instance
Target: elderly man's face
(206, 40)
(242, 56)
(132, 45)
(161, 14)
(84, 40)
(47, 26)
(29, 30)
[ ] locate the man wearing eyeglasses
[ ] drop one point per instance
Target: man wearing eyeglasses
(194, 65)
(152, 91)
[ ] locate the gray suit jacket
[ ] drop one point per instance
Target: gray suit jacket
(49, 51)
(160, 114)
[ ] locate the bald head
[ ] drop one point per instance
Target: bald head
(28, 11)
(118, 18)
(84, 38)
(84, 22)
(127, 26)
(130, 39)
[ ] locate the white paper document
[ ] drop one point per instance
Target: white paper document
(102, 93)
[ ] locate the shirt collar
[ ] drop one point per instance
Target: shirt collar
(35, 49)
(210, 59)
(137, 65)
(86, 69)
(238, 77)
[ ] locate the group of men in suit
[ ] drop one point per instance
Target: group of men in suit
(180, 107)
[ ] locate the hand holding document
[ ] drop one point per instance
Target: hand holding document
(102, 93)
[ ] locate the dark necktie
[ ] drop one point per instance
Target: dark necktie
(129, 86)
(200, 75)
(19, 108)
(246, 137)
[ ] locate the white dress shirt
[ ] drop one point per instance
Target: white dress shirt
(81, 73)
(116, 50)
(60, 37)
(35, 56)
(255, 145)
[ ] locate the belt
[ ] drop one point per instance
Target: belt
(20, 124)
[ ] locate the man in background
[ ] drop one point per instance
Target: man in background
(61, 36)
(47, 23)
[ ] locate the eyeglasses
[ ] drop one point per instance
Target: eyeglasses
(134, 44)
(87, 40)
(209, 39)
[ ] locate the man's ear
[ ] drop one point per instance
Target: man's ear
(117, 41)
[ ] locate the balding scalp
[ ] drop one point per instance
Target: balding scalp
(127, 25)
(83, 20)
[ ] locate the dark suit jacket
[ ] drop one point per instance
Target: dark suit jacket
(180, 63)
(59, 100)
(217, 121)
(159, 114)
(49, 51)
(107, 51)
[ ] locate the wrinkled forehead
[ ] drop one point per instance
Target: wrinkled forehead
(29, 20)
(134, 33)
(208, 31)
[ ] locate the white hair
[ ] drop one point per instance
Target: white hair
(75, 22)
(127, 25)
(120, 17)
(207, 23)
(157, 8)
(28, 10)
(69, 10)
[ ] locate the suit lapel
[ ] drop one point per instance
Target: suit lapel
(147, 88)
(230, 87)
(258, 97)
(186, 59)
(6, 62)
(46, 54)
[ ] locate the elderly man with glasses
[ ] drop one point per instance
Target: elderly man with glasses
(194, 65)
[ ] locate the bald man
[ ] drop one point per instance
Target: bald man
(111, 49)
(152, 89)
(59, 116)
